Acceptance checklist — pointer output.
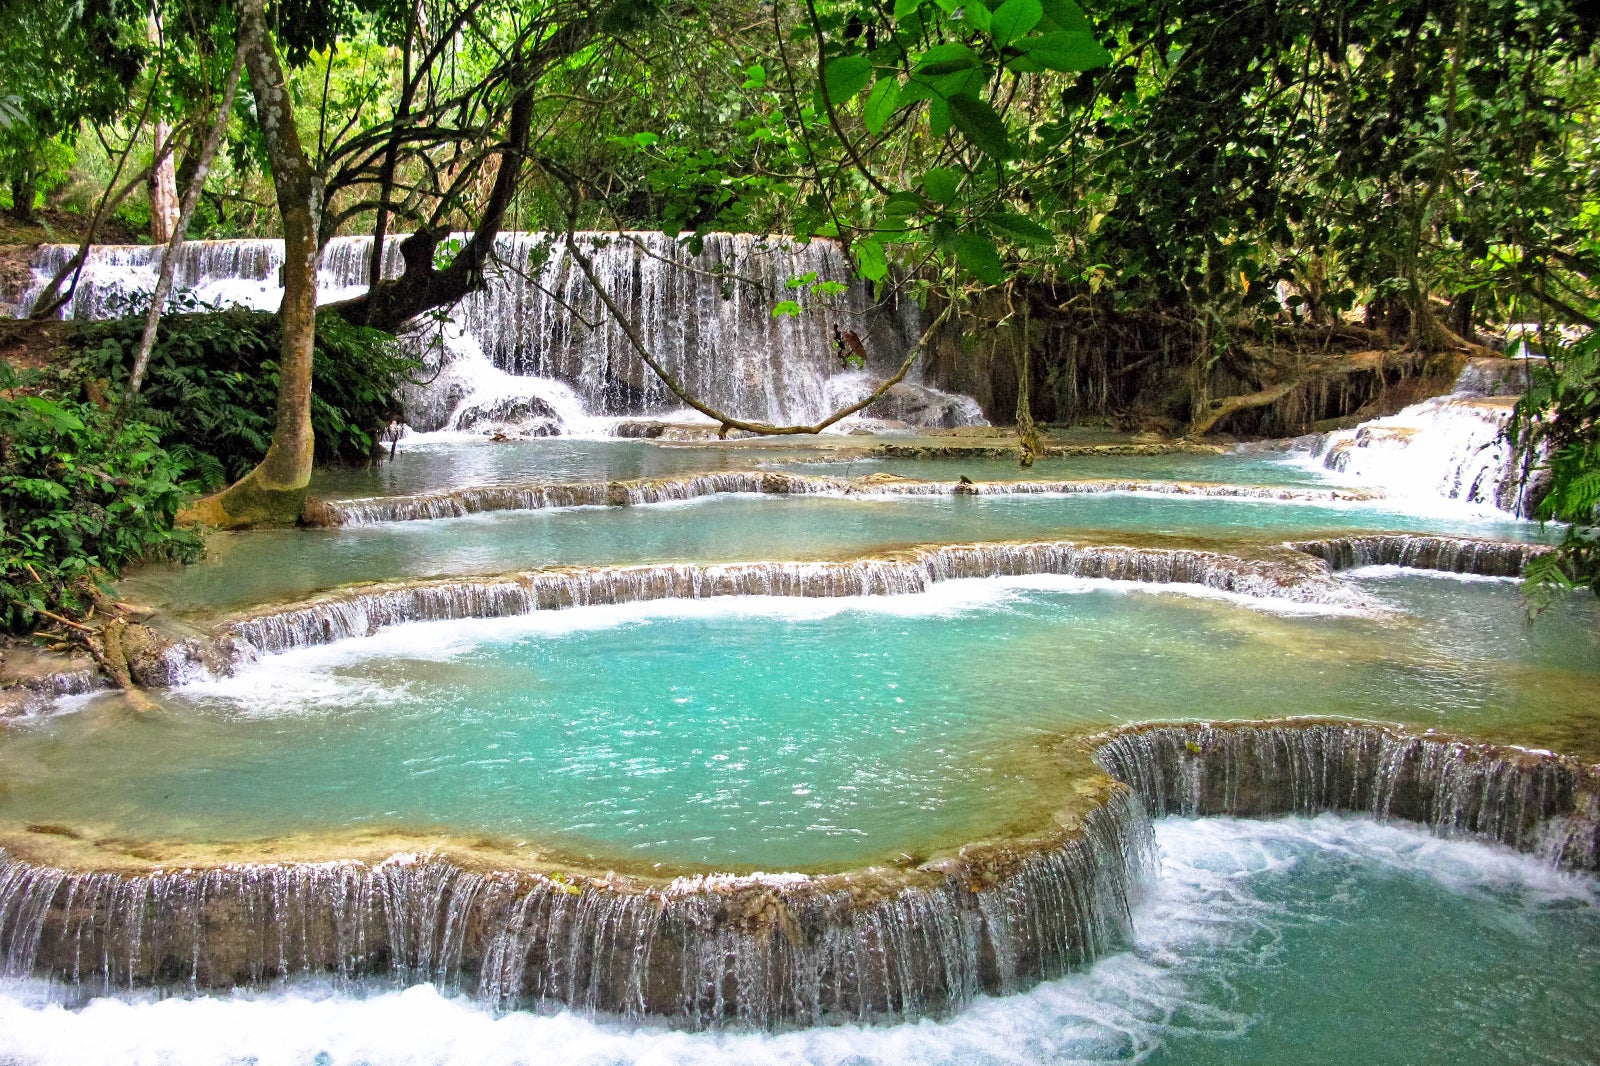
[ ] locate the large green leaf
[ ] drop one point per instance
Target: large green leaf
(978, 121)
(881, 104)
(1066, 15)
(944, 58)
(941, 184)
(977, 253)
(845, 76)
(871, 261)
(1020, 227)
(1064, 50)
(1013, 19)
(904, 9)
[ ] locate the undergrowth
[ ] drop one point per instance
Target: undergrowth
(80, 496)
(212, 384)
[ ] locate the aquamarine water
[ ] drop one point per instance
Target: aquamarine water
(270, 565)
(777, 733)
(1321, 942)
(452, 464)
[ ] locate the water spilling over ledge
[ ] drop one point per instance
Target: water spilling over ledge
(1455, 555)
(762, 950)
(1531, 801)
(363, 610)
(460, 503)
(877, 944)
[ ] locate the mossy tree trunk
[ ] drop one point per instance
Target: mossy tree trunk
(274, 492)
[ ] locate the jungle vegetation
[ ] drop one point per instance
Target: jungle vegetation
(1256, 216)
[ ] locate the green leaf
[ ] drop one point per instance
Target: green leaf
(755, 77)
(944, 58)
(871, 261)
(914, 91)
(640, 140)
(978, 121)
(1020, 227)
(902, 203)
(786, 309)
(941, 184)
(1065, 51)
(977, 253)
(1066, 15)
(881, 104)
(904, 9)
(845, 76)
(1013, 19)
(974, 14)
(938, 117)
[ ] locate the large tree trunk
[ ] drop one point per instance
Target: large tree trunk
(163, 187)
(274, 492)
(23, 190)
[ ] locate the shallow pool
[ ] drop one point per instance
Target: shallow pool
(762, 732)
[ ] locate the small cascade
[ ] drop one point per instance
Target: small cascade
(364, 610)
(699, 952)
(459, 503)
(1449, 447)
(1455, 555)
(535, 352)
(1531, 801)
(468, 393)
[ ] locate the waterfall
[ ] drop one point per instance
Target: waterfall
(877, 945)
(538, 333)
(1531, 801)
(1449, 447)
(1420, 551)
(363, 610)
(458, 503)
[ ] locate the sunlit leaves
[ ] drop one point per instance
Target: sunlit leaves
(881, 104)
(872, 262)
(1013, 19)
(846, 76)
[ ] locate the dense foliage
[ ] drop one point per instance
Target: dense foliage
(213, 379)
(1559, 419)
(81, 494)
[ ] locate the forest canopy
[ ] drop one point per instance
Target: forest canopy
(1256, 215)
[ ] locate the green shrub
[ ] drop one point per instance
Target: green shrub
(212, 384)
(79, 496)
(1560, 416)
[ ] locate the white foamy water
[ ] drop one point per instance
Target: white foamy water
(1446, 455)
(1222, 914)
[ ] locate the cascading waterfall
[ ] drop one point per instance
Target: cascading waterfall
(772, 950)
(699, 952)
(536, 353)
(458, 503)
(1420, 551)
(364, 610)
(1531, 801)
(1448, 447)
